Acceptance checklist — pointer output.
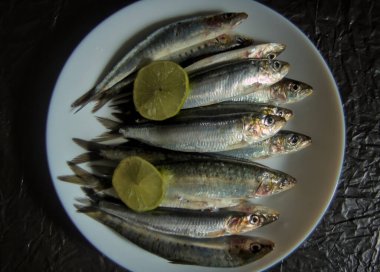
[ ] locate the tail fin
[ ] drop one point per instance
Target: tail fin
(108, 123)
(89, 145)
(86, 157)
(72, 179)
(84, 99)
(89, 179)
(106, 170)
(104, 195)
(107, 136)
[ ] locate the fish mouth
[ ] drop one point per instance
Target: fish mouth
(271, 217)
(306, 92)
(278, 47)
(280, 123)
(285, 68)
(288, 114)
(239, 17)
(306, 142)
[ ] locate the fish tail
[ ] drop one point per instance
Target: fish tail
(86, 205)
(86, 157)
(106, 170)
(108, 123)
(84, 99)
(113, 134)
(102, 99)
(89, 145)
(107, 136)
(72, 179)
(86, 178)
(97, 196)
(79, 171)
(120, 115)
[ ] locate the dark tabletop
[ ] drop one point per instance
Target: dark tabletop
(36, 38)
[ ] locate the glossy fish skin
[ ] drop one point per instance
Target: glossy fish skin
(220, 109)
(169, 39)
(204, 185)
(226, 108)
(233, 79)
(196, 224)
(284, 142)
(260, 51)
(226, 41)
(206, 181)
(229, 251)
(209, 134)
(97, 151)
(221, 43)
(286, 91)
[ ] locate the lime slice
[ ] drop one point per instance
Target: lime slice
(160, 90)
(138, 184)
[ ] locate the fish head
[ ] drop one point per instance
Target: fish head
(271, 71)
(267, 51)
(279, 68)
(250, 248)
(286, 142)
(253, 220)
(274, 182)
(227, 20)
(241, 40)
(282, 112)
(296, 90)
(260, 127)
(295, 141)
(226, 40)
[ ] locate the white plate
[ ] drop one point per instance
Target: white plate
(317, 168)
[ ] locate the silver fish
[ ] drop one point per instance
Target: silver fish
(233, 79)
(199, 185)
(286, 91)
(221, 43)
(229, 251)
(197, 224)
(227, 108)
(284, 142)
(206, 135)
(224, 108)
(165, 41)
(97, 151)
(260, 51)
(203, 182)
(226, 41)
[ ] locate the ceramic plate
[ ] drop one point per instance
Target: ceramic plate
(320, 116)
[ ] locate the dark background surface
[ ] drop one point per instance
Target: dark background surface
(36, 38)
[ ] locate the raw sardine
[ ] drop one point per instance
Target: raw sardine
(284, 142)
(197, 224)
(229, 251)
(208, 134)
(233, 79)
(164, 42)
(283, 92)
(260, 51)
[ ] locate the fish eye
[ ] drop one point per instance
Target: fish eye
(228, 15)
(254, 219)
(254, 247)
(284, 182)
(293, 139)
(280, 113)
(295, 87)
(276, 65)
(269, 121)
(271, 56)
